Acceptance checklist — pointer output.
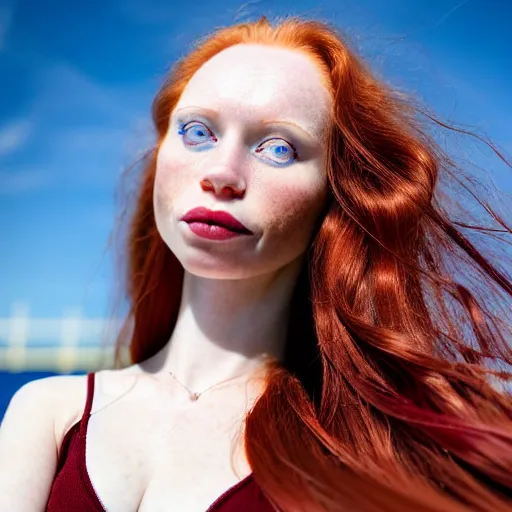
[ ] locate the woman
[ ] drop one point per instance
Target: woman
(297, 342)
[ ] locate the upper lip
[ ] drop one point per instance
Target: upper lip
(220, 218)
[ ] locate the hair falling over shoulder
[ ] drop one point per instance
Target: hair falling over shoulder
(393, 392)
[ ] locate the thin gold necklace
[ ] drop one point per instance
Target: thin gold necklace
(194, 395)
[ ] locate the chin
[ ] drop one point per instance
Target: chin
(221, 272)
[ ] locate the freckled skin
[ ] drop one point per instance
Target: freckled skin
(280, 205)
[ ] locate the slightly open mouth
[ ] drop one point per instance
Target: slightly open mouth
(210, 223)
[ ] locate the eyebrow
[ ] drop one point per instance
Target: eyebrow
(213, 113)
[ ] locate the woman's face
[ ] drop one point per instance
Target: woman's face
(247, 138)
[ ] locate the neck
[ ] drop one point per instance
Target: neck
(225, 327)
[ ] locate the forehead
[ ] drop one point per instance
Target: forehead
(252, 81)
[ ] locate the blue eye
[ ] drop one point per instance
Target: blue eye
(281, 154)
(195, 133)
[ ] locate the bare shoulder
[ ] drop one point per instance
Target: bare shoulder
(70, 395)
(55, 391)
(57, 399)
(61, 399)
(28, 440)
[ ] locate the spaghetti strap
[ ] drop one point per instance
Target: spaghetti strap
(88, 403)
(72, 488)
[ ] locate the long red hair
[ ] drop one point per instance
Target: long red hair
(392, 393)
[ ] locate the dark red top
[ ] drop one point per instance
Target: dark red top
(72, 490)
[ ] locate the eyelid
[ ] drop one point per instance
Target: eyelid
(273, 133)
(182, 125)
(290, 144)
(184, 120)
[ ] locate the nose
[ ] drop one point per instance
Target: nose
(222, 187)
(222, 179)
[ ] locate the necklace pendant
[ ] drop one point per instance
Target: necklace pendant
(194, 396)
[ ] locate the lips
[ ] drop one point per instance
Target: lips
(218, 218)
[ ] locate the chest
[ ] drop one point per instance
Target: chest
(154, 457)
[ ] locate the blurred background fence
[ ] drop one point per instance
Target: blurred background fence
(33, 347)
(70, 343)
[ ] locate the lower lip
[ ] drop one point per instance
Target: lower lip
(213, 232)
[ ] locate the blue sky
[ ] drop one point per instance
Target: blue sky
(76, 84)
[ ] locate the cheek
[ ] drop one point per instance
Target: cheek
(169, 181)
(293, 210)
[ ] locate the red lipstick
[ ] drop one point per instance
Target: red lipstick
(214, 225)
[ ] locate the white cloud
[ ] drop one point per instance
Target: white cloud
(66, 89)
(446, 15)
(87, 132)
(90, 139)
(14, 135)
(24, 180)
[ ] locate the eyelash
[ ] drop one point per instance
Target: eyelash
(295, 154)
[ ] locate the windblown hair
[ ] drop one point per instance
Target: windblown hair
(392, 395)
